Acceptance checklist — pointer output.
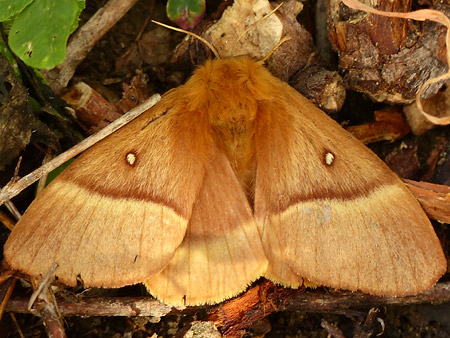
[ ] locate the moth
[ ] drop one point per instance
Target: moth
(240, 177)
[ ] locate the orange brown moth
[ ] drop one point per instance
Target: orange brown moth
(242, 177)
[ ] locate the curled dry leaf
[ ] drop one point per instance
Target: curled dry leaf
(437, 106)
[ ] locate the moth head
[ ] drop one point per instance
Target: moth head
(230, 88)
(229, 91)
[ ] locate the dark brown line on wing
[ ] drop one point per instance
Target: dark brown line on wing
(344, 194)
(132, 195)
(154, 118)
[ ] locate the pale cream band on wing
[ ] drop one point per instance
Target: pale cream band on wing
(209, 270)
(355, 244)
(89, 237)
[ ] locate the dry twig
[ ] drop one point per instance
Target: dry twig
(84, 39)
(310, 301)
(434, 198)
(15, 187)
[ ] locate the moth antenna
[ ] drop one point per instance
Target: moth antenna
(198, 37)
(254, 24)
(283, 40)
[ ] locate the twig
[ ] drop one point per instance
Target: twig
(43, 286)
(147, 20)
(316, 301)
(434, 198)
(14, 320)
(6, 294)
(332, 330)
(13, 210)
(50, 317)
(233, 317)
(15, 187)
(84, 39)
(6, 220)
(43, 180)
(106, 306)
(92, 110)
(40, 305)
(310, 301)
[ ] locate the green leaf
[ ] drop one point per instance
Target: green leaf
(54, 173)
(10, 57)
(81, 4)
(39, 34)
(10, 7)
(186, 13)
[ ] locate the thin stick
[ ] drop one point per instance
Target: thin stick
(283, 40)
(10, 284)
(43, 180)
(43, 286)
(14, 320)
(84, 39)
(6, 221)
(206, 42)
(314, 301)
(254, 24)
(52, 321)
(332, 330)
(15, 187)
(13, 210)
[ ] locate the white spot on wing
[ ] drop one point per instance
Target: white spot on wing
(131, 158)
(329, 158)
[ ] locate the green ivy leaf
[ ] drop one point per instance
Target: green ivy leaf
(39, 34)
(186, 13)
(10, 7)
